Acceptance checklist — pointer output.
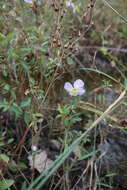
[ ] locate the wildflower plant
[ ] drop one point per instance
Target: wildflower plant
(69, 113)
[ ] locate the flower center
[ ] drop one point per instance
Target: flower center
(74, 91)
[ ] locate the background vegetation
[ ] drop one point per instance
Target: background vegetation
(43, 44)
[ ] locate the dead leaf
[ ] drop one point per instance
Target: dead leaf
(39, 161)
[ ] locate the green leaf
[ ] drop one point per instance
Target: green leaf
(16, 109)
(70, 61)
(10, 140)
(124, 103)
(89, 155)
(26, 102)
(66, 122)
(6, 87)
(27, 117)
(20, 166)
(6, 183)
(6, 107)
(58, 116)
(110, 175)
(2, 144)
(2, 104)
(125, 83)
(36, 115)
(2, 35)
(4, 157)
(24, 186)
(77, 119)
(25, 66)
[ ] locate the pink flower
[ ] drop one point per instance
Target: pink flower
(28, 1)
(76, 89)
(70, 4)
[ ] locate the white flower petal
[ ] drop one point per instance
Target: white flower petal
(81, 91)
(68, 86)
(28, 1)
(70, 4)
(34, 148)
(78, 83)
